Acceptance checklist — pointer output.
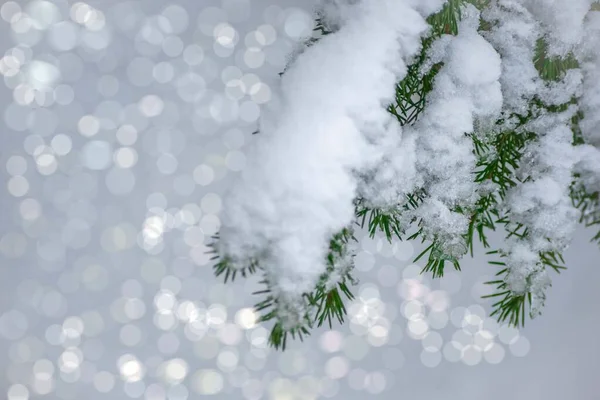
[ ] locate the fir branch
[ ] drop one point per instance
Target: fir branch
(326, 299)
(499, 155)
(270, 308)
(437, 260)
(223, 267)
(389, 222)
(512, 306)
(324, 304)
(552, 68)
(500, 166)
(410, 101)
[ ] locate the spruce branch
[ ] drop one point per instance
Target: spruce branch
(498, 162)
(500, 154)
(324, 304)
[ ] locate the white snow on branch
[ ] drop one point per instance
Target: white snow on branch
(544, 207)
(330, 139)
(466, 90)
(435, 154)
(541, 203)
(299, 184)
(562, 21)
(514, 35)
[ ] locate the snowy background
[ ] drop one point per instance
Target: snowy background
(122, 124)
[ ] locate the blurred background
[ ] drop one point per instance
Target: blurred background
(121, 126)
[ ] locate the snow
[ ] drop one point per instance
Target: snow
(562, 21)
(343, 264)
(589, 167)
(466, 89)
(542, 204)
(298, 187)
(514, 35)
(334, 13)
(330, 139)
(435, 153)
